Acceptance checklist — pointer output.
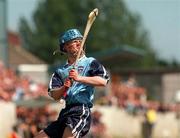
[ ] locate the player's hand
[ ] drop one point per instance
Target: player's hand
(73, 74)
(67, 83)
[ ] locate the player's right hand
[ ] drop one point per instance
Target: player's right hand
(67, 83)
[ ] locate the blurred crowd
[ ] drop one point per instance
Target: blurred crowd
(124, 94)
(14, 87)
(128, 95)
(31, 120)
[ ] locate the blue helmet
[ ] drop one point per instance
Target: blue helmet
(69, 36)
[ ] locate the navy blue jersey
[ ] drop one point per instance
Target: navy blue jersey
(79, 93)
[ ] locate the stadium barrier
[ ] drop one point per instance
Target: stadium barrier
(120, 123)
(7, 118)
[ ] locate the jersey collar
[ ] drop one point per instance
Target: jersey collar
(67, 64)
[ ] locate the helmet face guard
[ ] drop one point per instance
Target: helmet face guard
(69, 35)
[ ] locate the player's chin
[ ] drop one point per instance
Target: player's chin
(74, 54)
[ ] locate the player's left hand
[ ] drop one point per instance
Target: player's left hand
(73, 74)
(67, 83)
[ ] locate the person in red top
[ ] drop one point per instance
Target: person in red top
(14, 133)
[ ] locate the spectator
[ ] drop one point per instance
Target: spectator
(150, 120)
(13, 133)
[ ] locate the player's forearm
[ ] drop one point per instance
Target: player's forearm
(96, 80)
(57, 93)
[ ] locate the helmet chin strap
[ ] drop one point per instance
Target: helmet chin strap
(58, 51)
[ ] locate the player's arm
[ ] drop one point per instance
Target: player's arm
(57, 87)
(57, 93)
(98, 76)
(94, 80)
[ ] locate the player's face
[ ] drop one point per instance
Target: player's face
(72, 47)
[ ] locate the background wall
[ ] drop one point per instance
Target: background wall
(118, 122)
(7, 118)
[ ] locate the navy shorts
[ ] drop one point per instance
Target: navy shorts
(77, 117)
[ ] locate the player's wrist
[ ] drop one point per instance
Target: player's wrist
(65, 87)
(79, 78)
